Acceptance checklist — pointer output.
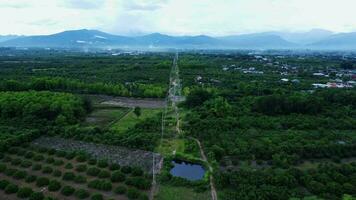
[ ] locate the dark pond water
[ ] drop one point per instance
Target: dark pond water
(192, 172)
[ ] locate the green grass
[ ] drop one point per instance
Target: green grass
(180, 193)
(169, 145)
(103, 117)
(130, 120)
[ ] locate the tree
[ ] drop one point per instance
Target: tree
(137, 111)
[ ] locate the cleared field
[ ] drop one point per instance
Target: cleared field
(127, 102)
(130, 120)
(105, 116)
(180, 193)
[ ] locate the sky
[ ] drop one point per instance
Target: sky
(175, 17)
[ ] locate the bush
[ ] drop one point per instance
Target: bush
(3, 184)
(10, 171)
(70, 156)
(24, 192)
(29, 155)
(3, 167)
(81, 158)
(97, 196)
(42, 149)
(100, 185)
(7, 159)
(11, 188)
(58, 162)
(104, 174)
(120, 189)
(21, 152)
(114, 167)
(143, 197)
(80, 179)
(82, 194)
(20, 175)
(50, 160)
(52, 152)
(30, 179)
(26, 164)
(93, 171)
(38, 158)
(47, 170)
(126, 169)
(61, 154)
(117, 176)
(67, 190)
(136, 171)
(68, 176)
(92, 161)
(69, 166)
(103, 163)
(57, 173)
(42, 181)
(36, 167)
(133, 193)
(37, 196)
(16, 162)
(54, 185)
(81, 168)
(138, 182)
(13, 150)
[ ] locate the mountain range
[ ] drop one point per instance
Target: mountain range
(314, 39)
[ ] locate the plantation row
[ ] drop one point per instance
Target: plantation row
(41, 167)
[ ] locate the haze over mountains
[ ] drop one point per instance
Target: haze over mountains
(314, 39)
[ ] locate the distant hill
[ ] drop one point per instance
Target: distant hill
(4, 38)
(315, 39)
(338, 41)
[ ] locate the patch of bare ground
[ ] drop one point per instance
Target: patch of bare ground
(128, 102)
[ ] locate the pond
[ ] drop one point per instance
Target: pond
(190, 171)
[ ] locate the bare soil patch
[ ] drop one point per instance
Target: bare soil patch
(128, 102)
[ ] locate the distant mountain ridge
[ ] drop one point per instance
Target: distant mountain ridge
(315, 39)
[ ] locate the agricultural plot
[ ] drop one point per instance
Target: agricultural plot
(105, 116)
(114, 154)
(35, 172)
(104, 100)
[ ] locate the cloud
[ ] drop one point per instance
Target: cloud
(147, 5)
(83, 4)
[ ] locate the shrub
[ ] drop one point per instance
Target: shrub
(26, 164)
(93, 171)
(69, 166)
(104, 174)
(97, 196)
(136, 171)
(29, 155)
(1, 155)
(61, 154)
(13, 150)
(92, 161)
(80, 179)
(70, 156)
(37, 196)
(81, 158)
(24, 192)
(20, 175)
(68, 176)
(52, 152)
(42, 181)
(7, 159)
(81, 168)
(3, 184)
(54, 185)
(120, 189)
(82, 194)
(50, 160)
(117, 176)
(133, 193)
(16, 162)
(38, 158)
(126, 169)
(21, 152)
(10, 171)
(3, 167)
(114, 167)
(57, 173)
(11, 188)
(67, 190)
(36, 167)
(58, 162)
(30, 179)
(47, 170)
(138, 182)
(143, 197)
(103, 163)
(42, 149)
(100, 185)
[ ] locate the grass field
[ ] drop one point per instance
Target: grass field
(169, 145)
(180, 193)
(130, 120)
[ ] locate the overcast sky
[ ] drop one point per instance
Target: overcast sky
(176, 17)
